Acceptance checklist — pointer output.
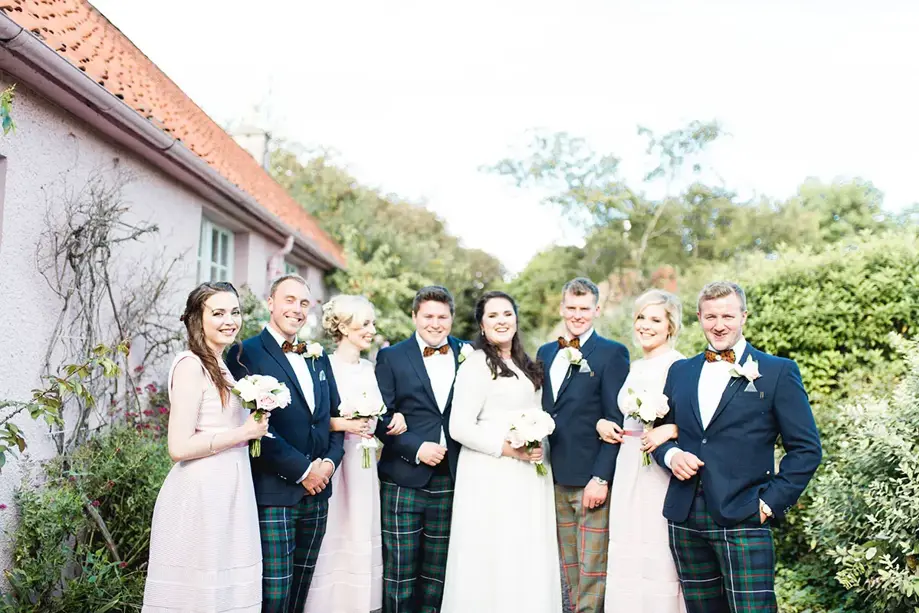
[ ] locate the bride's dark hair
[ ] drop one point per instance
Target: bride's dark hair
(532, 369)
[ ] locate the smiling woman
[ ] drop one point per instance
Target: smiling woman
(208, 494)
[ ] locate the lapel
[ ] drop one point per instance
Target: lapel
(317, 391)
(455, 345)
(547, 402)
(586, 350)
(735, 384)
(695, 371)
(274, 350)
(417, 361)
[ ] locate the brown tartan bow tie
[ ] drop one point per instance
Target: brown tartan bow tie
(574, 343)
(442, 350)
(717, 356)
(288, 347)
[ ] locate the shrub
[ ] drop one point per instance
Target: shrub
(62, 559)
(865, 509)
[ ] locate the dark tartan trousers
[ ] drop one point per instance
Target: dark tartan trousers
(724, 570)
(291, 537)
(416, 533)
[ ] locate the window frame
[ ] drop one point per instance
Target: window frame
(210, 269)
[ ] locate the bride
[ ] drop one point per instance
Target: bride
(502, 554)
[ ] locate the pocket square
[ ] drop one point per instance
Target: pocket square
(322, 375)
(750, 387)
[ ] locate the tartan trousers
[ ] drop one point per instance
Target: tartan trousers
(724, 570)
(291, 537)
(583, 542)
(416, 534)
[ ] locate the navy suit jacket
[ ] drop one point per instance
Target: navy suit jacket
(300, 435)
(738, 446)
(406, 389)
(577, 453)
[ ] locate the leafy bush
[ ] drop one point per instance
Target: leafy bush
(865, 509)
(63, 560)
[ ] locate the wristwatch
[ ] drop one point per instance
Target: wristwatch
(600, 481)
(765, 508)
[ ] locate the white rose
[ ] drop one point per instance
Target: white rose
(574, 355)
(647, 412)
(465, 351)
(282, 396)
(267, 383)
(246, 389)
(661, 404)
(313, 350)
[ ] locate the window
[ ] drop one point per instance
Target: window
(289, 269)
(215, 253)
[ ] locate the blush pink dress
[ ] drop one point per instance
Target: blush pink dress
(641, 576)
(349, 571)
(205, 550)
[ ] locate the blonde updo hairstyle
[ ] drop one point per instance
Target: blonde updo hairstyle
(671, 305)
(341, 310)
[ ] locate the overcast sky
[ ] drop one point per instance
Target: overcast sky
(417, 95)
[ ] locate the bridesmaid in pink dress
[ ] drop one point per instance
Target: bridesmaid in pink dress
(349, 572)
(205, 550)
(641, 576)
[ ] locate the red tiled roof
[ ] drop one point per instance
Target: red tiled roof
(82, 35)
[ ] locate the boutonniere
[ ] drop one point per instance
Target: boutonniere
(313, 350)
(576, 358)
(749, 370)
(466, 350)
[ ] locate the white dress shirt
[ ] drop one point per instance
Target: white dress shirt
(560, 365)
(713, 380)
(441, 370)
(305, 380)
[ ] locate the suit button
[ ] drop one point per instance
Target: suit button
(312, 427)
(705, 440)
(768, 472)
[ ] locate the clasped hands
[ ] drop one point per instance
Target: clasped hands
(318, 477)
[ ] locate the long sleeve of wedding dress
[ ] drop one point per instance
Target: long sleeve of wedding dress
(469, 395)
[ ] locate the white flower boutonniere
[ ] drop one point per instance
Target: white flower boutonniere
(576, 358)
(749, 370)
(313, 350)
(465, 351)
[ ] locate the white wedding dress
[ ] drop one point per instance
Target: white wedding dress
(503, 554)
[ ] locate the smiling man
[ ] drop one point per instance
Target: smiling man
(731, 403)
(583, 375)
(299, 455)
(418, 467)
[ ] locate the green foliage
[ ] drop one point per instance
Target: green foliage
(6, 110)
(48, 402)
(865, 509)
(83, 538)
(254, 313)
(394, 247)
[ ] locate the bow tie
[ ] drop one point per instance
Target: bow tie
(288, 347)
(716, 356)
(442, 350)
(574, 343)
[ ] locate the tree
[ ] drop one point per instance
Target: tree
(394, 247)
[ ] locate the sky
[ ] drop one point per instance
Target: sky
(417, 96)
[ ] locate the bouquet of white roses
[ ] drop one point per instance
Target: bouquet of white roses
(365, 407)
(261, 394)
(528, 430)
(647, 407)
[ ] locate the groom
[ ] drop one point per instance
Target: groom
(291, 476)
(730, 404)
(418, 467)
(578, 392)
